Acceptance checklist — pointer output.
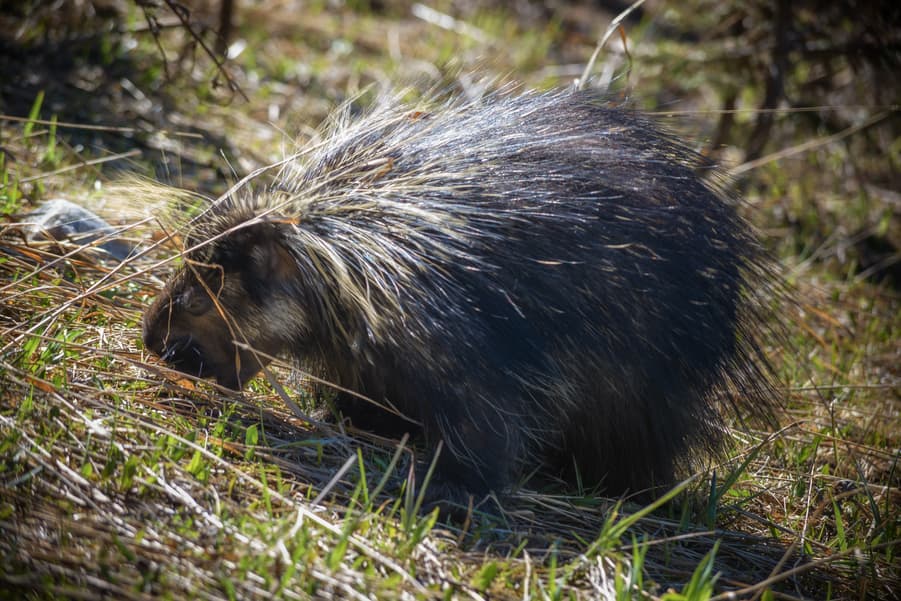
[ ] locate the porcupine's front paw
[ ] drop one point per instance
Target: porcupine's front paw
(459, 490)
(455, 502)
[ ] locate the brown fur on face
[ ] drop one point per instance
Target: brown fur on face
(231, 298)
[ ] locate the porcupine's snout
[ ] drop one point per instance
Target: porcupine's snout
(181, 340)
(198, 345)
(181, 352)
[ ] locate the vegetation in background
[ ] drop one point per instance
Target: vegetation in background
(120, 478)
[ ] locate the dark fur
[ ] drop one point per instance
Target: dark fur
(538, 278)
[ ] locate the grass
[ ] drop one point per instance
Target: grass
(120, 478)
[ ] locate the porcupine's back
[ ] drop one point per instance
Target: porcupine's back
(533, 278)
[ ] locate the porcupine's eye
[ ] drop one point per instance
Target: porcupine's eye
(196, 301)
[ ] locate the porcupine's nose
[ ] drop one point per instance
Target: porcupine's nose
(186, 355)
(182, 352)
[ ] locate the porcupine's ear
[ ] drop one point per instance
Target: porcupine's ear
(270, 257)
(280, 262)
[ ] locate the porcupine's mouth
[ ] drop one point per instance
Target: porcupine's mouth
(187, 356)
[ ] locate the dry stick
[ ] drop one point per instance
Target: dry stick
(97, 588)
(109, 128)
(153, 27)
(351, 460)
(285, 397)
(614, 25)
(787, 152)
(776, 568)
(794, 109)
(737, 594)
(226, 16)
(877, 267)
(106, 159)
(774, 86)
(449, 23)
(183, 16)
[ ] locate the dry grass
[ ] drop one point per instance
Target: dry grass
(120, 478)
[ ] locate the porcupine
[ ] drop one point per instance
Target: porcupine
(541, 278)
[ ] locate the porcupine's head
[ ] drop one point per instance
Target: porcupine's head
(230, 302)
